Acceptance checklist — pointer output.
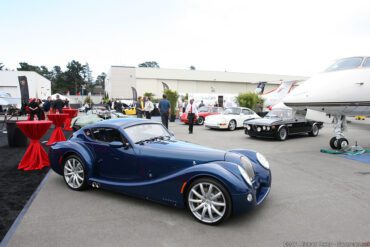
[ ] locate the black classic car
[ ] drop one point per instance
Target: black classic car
(279, 123)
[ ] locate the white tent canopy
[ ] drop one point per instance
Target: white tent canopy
(62, 97)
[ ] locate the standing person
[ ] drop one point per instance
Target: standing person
(41, 112)
(184, 105)
(34, 109)
(201, 104)
(164, 109)
(149, 107)
(47, 104)
(192, 112)
(139, 105)
(58, 105)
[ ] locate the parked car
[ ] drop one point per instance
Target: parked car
(231, 118)
(142, 158)
(280, 123)
(96, 114)
(203, 112)
(130, 110)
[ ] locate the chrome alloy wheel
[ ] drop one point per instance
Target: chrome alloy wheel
(74, 173)
(232, 125)
(207, 202)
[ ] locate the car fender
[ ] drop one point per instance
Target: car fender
(59, 151)
(226, 173)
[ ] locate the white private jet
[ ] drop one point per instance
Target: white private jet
(276, 96)
(341, 90)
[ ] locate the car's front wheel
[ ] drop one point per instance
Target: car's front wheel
(74, 173)
(282, 134)
(208, 201)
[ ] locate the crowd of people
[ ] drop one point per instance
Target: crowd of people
(39, 108)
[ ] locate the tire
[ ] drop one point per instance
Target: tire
(342, 143)
(74, 173)
(333, 143)
(204, 206)
(200, 121)
(315, 130)
(282, 134)
(232, 125)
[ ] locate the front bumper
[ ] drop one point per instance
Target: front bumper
(263, 134)
(261, 186)
(241, 203)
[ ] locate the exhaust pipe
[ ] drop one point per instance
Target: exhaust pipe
(95, 185)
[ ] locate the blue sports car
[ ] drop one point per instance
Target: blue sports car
(142, 158)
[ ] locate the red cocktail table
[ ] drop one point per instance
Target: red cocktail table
(35, 157)
(58, 120)
(71, 114)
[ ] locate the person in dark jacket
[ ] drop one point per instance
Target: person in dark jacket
(58, 105)
(47, 105)
(164, 109)
(34, 108)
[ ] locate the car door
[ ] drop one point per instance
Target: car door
(113, 163)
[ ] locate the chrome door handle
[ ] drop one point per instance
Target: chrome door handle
(360, 83)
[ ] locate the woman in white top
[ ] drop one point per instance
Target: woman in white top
(148, 108)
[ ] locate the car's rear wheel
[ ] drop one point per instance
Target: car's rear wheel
(200, 121)
(208, 201)
(314, 131)
(232, 125)
(74, 173)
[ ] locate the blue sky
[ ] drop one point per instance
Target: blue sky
(282, 37)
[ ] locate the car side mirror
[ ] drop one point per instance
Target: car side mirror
(116, 144)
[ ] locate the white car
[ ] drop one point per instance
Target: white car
(231, 118)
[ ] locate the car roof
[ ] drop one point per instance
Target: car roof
(121, 122)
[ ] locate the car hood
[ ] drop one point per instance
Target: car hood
(263, 121)
(182, 151)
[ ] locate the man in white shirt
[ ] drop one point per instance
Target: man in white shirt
(192, 112)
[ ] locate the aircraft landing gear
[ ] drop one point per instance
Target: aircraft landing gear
(339, 141)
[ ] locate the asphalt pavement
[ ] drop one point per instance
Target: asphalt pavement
(315, 198)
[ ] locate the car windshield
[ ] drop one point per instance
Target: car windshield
(203, 109)
(216, 109)
(146, 132)
(345, 63)
(232, 111)
(280, 113)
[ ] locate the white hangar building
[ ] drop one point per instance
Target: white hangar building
(23, 84)
(121, 79)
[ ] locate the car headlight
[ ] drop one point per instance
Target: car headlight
(264, 127)
(259, 129)
(268, 128)
(245, 175)
(248, 127)
(248, 172)
(263, 161)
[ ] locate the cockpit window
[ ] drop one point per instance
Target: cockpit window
(367, 63)
(346, 63)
